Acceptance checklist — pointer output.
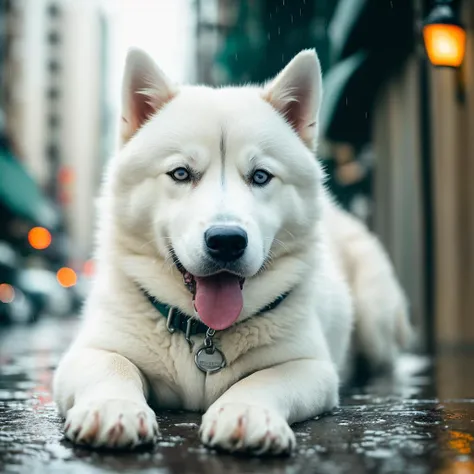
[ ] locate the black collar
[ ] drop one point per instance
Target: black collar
(177, 320)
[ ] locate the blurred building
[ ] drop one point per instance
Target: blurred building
(58, 114)
(23, 202)
(252, 40)
(448, 115)
(419, 125)
(395, 132)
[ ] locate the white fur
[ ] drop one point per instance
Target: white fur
(282, 367)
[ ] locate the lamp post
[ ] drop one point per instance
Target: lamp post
(444, 35)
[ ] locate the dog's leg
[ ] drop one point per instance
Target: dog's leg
(254, 414)
(102, 396)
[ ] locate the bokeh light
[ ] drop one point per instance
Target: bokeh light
(39, 238)
(7, 293)
(89, 268)
(66, 277)
(66, 175)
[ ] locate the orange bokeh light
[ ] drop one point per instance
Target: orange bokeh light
(66, 175)
(7, 293)
(66, 277)
(39, 238)
(445, 44)
(89, 268)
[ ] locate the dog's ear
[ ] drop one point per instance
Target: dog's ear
(296, 93)
(145, 89)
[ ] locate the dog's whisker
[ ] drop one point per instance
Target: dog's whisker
(150, 242)
(289, 233)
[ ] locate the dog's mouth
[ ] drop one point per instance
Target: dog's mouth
(217, 298)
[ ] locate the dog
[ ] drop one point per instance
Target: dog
(227, 280)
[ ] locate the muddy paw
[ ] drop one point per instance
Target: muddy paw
(111, 424)
(239, 427)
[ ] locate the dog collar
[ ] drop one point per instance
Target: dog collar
(176, 320)
(208, 358)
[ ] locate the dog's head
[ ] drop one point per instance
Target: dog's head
(220, 181)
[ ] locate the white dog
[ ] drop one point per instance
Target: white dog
(226, 280)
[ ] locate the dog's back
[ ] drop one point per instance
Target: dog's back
(382, 326)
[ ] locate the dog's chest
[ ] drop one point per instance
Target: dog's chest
(169, 363)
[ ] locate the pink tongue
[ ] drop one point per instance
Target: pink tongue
(218, 300)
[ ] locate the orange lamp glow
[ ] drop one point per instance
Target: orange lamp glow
(7, 293)
(39, 238)
(445, 44)
(66, 277)
(444, 36)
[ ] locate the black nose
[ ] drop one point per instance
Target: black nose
(226, 243)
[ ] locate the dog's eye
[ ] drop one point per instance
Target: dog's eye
(261, 178)
(180, 174)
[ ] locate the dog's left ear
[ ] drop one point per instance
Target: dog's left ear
(296, 93)
(145, 90)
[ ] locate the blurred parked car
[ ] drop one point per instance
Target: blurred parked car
(28, 293)
(15, 306)
(43, 290)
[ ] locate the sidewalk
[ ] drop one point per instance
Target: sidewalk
(389, 427)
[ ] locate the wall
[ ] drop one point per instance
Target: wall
(75, 138)
(26, 76)
(453, 163)
(81, 120)
(398, 201)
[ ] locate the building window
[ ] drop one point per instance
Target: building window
(53, 93)
(54, 10)
(54, 38)
(54, 121)
(53, 66)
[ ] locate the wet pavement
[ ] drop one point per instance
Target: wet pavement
(422, 421)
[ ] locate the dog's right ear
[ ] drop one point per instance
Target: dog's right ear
(145, 90)
(296, 93)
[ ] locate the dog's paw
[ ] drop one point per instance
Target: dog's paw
(111, 423)
(238, 427)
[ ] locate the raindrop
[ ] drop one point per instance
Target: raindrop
(426, 422)
(380, 453)
(291, 18)
(187, 425)
(166, 444)
(268, 36)
(279, 31)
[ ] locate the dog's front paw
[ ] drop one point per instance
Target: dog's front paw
(246, 428)
(111, 423)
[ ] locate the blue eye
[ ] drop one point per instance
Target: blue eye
(261, 178)
(180, 174)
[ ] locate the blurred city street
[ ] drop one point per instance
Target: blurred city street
(395, 141)
(410, 425)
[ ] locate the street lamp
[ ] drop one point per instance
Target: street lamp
(444, 35)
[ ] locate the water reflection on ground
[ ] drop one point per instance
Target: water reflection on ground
(420, 421)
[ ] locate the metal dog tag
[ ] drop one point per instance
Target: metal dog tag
(208, 358)
(209, 362)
